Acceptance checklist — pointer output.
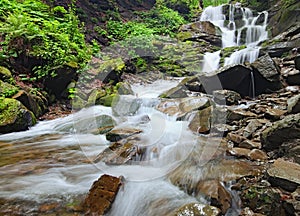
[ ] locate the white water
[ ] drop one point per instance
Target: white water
(249, 33)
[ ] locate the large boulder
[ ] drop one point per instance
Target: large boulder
(286, 129)
(14, 116)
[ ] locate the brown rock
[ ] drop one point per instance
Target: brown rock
(253, 125)
(250, 144)
(116, 135)
(257, 155)
(235, 138)
(274, 114)
(101, 195)
(238, 114)
(201, 121)
(196, 209)
(216, 193)
(239, 152)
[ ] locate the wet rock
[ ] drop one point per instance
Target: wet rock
(124, 89)
(200, 31)
(284, 174)
(196, 209)
(297, 62)
(176, 92)
(257, 155)
(239, 152)
(101, 195)
(125, 105)
(274, 114)
(281, 131)
(180, 107)
(14, 116)
(224, 129)
(294, 104)
(95, 96)
(248, 212)
(226, 96)
(117, 134)
(250, 144)
(252, 127)
(238, 114)
(214, 191)
(118, 153)
(5, 74)
(201, 121)
(279, 48)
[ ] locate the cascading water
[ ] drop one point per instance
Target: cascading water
(246, 30)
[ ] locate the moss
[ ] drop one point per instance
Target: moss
(107, 100)
(7, 90)
(5, 74)
(14, 116)
(183, 36)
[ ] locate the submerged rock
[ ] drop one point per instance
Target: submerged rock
(281, 131)
(196, 209)
(14, 116)
(117, 134)
(101, 195)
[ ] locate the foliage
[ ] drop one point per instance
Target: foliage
(207, 3)
(31, 29)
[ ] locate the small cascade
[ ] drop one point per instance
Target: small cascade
(239, 27)
(211, 61)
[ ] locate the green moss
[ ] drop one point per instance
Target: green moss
(107, 100)
(183, 36)
(5, 74)
(7, 90)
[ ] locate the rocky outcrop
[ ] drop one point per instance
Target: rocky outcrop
(102, 195)
(14, 116)
(283, 130)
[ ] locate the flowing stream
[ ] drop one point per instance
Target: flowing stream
(53, 161)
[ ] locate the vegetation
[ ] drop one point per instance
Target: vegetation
(50, 37)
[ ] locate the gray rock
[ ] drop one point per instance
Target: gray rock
(120, 133)
(281, 131)
(175, 92)
(294, 104)
(125, 105)
(226, 96)
(297, 62)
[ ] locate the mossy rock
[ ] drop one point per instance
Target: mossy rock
(14, 116)
(106, 100)
(5, 74)
(7, 90)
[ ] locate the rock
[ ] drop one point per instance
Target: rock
(294, 104)
(250, 144)
(239, 152)
(284, 174)
(200, 31)
(5, 74)
(290, 150)
(196, 209)
(175, 92)
(214, 191)
(125, 105)
(248, 212)
(226, 96)
(14, 116)
(257, 155)
(101, 195)
(279, 48)
(180, 107)
(7, 90)
(118, 153)
(224, 129)
(117, 134)
(283, 130)
(292, 206)
(124, 89)
(238, 114)
(235, 138)
(109, 70)
(32, 102)
(201, 121)
(274, 114)
(95, 96)
(252, 127)
(297, 62)
(292, 76)
(266, 67)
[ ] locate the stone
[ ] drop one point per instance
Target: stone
(7, 90)
(196, 209)
(5, 74)
(117, 134)
(252, 127)
(284, 174)
(250, 144)
(290, 150)
(201, 121)
(101, 195)
(279, 48)
(239, 152)
(238, 114)
(214, 191)
(175, 92)
(14, 116)
(294, 104)
(257, 155)
(274, 114)
(124, 88)
(125, 105)
(118, 153)
(235, 138)
(280, 131)
(248, 212)
(292, 76)
(297, 62)
(226, 97)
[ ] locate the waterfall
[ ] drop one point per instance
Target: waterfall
(239, 28)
